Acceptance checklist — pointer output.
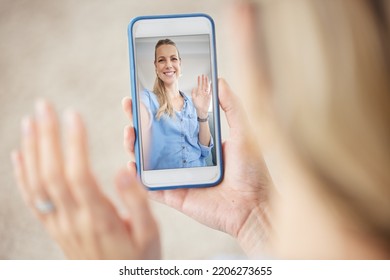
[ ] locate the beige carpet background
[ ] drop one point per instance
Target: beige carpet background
(75, 54)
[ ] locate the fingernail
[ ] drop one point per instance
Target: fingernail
(126, 132)
(42, 108)
(26, 125)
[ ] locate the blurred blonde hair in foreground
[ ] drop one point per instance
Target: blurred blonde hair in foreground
(334, 105)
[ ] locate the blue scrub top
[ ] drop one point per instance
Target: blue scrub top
(174, 140)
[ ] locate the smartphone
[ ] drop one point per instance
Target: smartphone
(174, 89)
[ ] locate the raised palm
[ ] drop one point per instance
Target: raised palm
(201, 96)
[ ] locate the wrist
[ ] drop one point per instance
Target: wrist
(202, 115)
(203, 120)
(254, 234)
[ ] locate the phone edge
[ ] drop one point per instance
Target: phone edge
(133, 87)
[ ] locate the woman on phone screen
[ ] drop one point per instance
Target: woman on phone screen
(175, 128)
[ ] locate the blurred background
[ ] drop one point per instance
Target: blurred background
(75, 53)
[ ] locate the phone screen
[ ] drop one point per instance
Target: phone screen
(175, 90)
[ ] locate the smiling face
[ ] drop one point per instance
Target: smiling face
(168, 64)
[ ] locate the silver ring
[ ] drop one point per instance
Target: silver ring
(44, 206)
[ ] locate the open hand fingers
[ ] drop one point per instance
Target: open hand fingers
(50, 183)
(78, 173)
(26, 166)
(49, 157)
(206, 84)
(203, 85)
(39, 171)
(61, 190)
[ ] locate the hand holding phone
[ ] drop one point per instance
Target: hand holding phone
(238, 204)
(175, 104)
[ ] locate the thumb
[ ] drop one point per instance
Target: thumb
(135, 199)
(231, 105)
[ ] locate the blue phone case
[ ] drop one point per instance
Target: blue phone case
(134, 97)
